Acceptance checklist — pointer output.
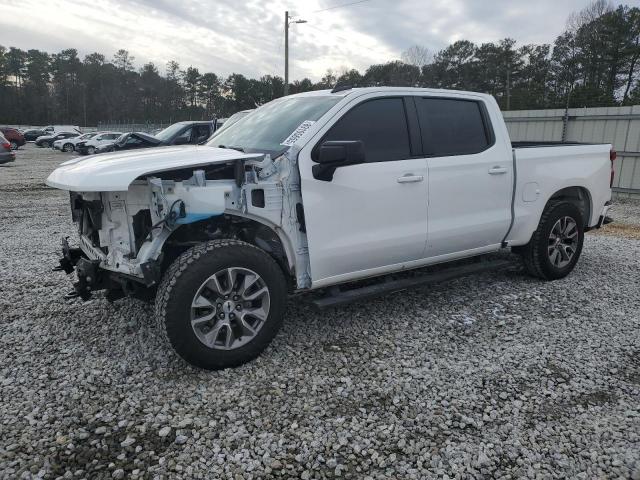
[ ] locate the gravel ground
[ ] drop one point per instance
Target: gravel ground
(493, 376)
(626, 211)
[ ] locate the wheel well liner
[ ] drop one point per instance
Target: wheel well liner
(579, 196)
(230, 226)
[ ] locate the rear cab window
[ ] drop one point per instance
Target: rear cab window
(453, 126)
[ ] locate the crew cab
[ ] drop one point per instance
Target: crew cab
(317, 190)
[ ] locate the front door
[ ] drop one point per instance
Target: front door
(373, 215)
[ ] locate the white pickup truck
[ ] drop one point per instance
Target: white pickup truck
(315, 190)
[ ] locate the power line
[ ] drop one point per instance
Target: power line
(341, 6)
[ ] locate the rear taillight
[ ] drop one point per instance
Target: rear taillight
(612, 156)
(6, 145)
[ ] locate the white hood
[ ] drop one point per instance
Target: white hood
(114, 172)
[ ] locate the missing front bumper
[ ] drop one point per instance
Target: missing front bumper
(91, 277)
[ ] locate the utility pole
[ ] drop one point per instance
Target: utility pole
(509, 86)
(286, 53)
(286, 49)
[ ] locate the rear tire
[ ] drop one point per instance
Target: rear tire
(45, 144)
(204, 305)
(556, 245)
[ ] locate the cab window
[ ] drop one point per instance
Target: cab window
(381, 125)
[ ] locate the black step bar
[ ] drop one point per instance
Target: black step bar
(343, 297)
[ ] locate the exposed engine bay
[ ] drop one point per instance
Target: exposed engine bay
(131, 235)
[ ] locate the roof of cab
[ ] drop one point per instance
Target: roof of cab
(364, 90)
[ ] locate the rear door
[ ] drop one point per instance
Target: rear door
(373, 215)
(470, 176)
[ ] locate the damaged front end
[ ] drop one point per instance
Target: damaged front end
(123, 235)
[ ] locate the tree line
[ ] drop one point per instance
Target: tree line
(594, 62)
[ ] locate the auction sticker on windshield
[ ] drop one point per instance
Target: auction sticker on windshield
(297, 133)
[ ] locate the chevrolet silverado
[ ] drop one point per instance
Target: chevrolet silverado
(317, 190)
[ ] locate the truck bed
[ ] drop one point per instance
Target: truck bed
(544, 168)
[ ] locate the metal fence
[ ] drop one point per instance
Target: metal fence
(131, 127)
(619, 126)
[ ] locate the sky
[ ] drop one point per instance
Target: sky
(247, 37)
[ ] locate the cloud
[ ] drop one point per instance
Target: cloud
(229, 36)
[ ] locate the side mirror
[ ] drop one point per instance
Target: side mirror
(335, 154)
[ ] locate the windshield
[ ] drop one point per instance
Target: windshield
(169, 132)
(266, 128)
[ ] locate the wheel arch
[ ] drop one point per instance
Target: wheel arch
(246, 227)
(577, 195)
(527, 224)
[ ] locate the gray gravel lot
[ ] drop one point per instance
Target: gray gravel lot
(494, 376)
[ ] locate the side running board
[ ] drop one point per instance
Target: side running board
(338, 297)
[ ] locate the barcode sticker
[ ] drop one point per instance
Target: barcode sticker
(297, 133)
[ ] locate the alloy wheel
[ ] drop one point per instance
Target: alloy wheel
(230, 308)
(563, 242)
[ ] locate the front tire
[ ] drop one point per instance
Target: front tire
(44, 144)
(221, 303)
(91, 150)
(555, 247)
(67, 147)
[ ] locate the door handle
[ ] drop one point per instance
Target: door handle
(408, 178)
(497, 170)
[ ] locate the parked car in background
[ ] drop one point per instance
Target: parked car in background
(14, 136)
(32, 134)
(6, 153)
(47, 140)
(181, 133)
(61, 128)
(130, 141)
(69, 144)
(186, 133)
(88, 147)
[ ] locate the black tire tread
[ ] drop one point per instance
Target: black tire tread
(531, 255)
(178, 268)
